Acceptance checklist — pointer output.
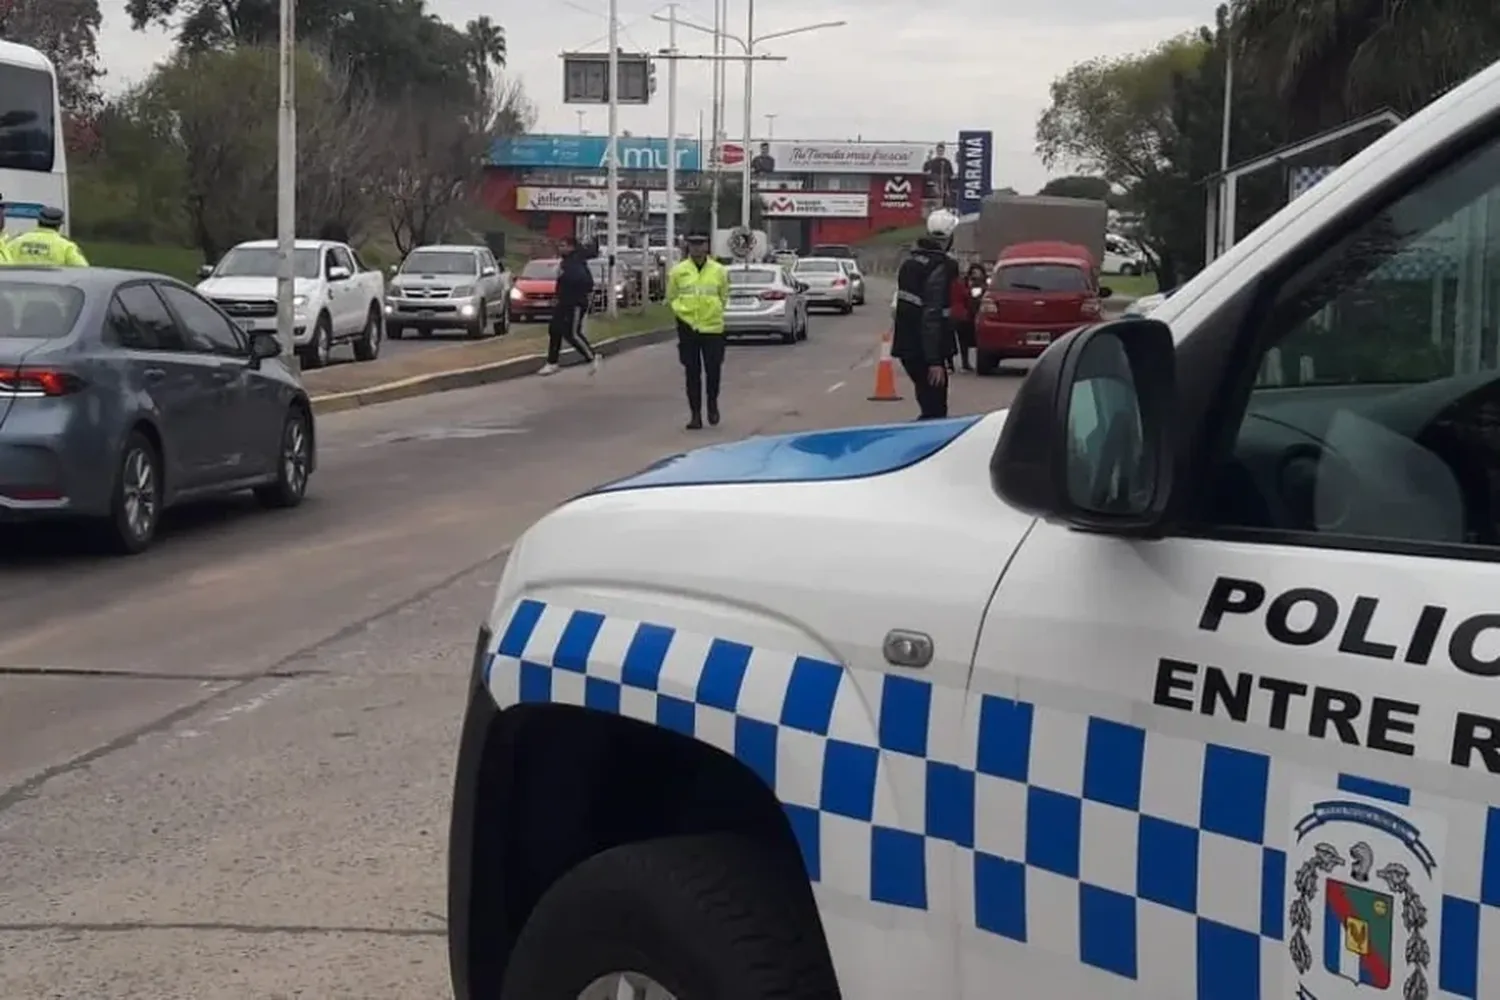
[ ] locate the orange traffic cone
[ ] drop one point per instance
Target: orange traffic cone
(885, 374)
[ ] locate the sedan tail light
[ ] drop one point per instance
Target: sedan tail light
(37, 383)
(989, 307)
(1090, 308)
(773, 295)
(839, 282)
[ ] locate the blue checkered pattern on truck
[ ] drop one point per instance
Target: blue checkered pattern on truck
(1156, 858)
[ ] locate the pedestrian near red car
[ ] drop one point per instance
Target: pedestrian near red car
(962, 309)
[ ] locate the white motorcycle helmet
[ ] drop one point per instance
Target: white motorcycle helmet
(941, 224)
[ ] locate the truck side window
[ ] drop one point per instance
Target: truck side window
(1375, 413)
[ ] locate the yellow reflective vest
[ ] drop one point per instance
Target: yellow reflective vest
(698, 295)
(44, 247)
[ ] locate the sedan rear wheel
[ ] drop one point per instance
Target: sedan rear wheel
(135, 505)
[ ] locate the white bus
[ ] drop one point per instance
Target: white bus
(33, 161)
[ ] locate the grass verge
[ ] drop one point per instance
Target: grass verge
(181, 263)
(1130, 285)
(530, 338)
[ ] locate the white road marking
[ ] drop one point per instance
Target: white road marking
(836, 387)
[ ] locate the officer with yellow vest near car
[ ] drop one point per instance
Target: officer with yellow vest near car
(45, 246)
(697, 291)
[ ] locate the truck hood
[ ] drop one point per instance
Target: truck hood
(251, 288)
(883, 526)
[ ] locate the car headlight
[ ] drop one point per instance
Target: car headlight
(298, 301)
(463, 291)
(515, 293)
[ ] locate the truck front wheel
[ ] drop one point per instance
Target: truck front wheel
(684, 917)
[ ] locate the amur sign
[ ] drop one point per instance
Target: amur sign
(815, 205)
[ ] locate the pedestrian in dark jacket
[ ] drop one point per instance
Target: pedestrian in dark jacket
(922, 339)
(575, 290)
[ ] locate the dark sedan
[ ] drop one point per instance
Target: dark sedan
(123, 393)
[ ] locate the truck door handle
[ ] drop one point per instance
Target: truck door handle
(154, 374)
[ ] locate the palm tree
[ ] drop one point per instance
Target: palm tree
(486, 50)
(1334, 59)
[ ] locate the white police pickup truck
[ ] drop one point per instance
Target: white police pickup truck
(336, 298)
(1180, 680)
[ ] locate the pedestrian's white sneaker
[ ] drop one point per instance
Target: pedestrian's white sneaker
(594, 364)
(547, 370)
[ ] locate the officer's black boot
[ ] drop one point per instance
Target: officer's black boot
(696, 423)
(713, 412)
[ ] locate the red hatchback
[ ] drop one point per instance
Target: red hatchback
(1038, 292)
(534, 294)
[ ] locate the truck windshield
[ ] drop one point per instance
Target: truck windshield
(260, 262)
(1039, 278)
(752, 277)
(440, 262)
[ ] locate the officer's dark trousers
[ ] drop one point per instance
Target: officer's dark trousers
(932, 399)
(702, 357)
(567, 324)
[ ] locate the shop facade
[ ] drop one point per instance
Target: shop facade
(810, 192)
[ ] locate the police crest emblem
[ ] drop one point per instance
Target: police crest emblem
(1363, 899)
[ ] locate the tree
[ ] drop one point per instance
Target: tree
(433, 156)
(697, 206)
(67, 31)
(1079, 186)
(1150, 126)
(486, 50)
(1331, 60)
(389, 46)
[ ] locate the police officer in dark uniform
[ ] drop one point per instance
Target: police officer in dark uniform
(922, 338)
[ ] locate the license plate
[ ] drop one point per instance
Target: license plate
(1039, 338)
(246, 324)
(741, 300)
(425, 312)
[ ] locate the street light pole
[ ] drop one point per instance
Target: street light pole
(671, 134)
(614, 159)
(717, 119)
(749, 118)
(770, 126)
(286, 181)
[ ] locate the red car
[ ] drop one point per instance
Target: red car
(1038, 292)
(534, 293)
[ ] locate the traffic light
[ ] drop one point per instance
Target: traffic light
(651, 77)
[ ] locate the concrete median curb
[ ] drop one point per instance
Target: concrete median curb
(475, 375)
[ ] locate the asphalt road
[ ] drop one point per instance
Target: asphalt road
(225, 765)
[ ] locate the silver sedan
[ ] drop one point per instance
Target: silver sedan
(765, 300)
(827, 283)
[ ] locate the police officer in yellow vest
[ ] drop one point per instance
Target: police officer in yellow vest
(4, 237)
(44, 246)
(697, 290)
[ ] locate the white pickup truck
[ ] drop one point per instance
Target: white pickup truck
(336, 298)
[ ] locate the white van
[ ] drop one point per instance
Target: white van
(1178, 681)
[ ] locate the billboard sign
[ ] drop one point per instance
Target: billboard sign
(814, 205)
(976, 154)
(587, 201)
(827, 157)
(590, 152)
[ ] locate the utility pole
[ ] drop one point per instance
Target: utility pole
(614, 158)
(717, 116)
(671, 135)
(770, 126)
(286, 182)
(749, 118)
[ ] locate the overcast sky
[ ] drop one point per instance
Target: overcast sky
(875, 78)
